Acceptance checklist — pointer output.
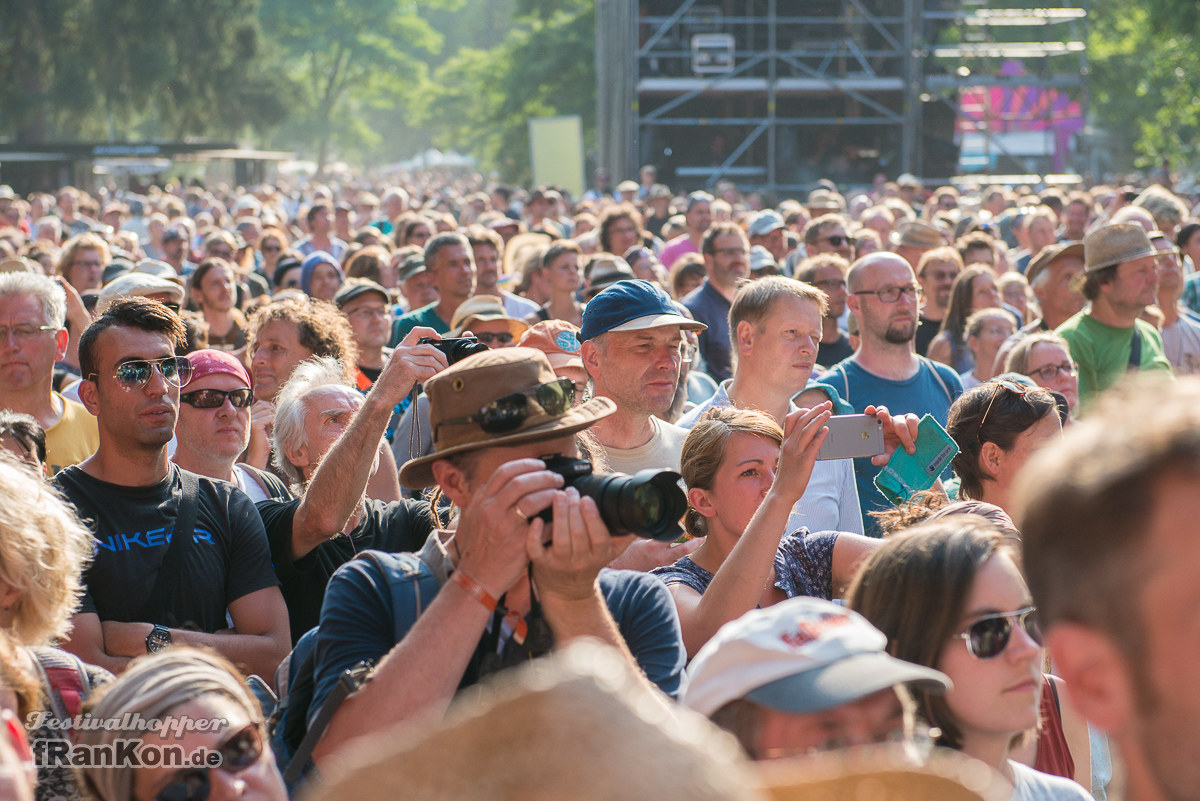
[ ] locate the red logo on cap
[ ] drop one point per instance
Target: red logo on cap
(808, 630)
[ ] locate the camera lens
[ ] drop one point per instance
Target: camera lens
(463, 348)
(649, 503)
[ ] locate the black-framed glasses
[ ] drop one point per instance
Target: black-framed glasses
(239, 752)
(507, 413)
(215, 398)
(988, 636)
(732, 253)
(1052, 371)
(24, 332)
(1003, 384)
(492, 340)
(837, 240)
(891, 294)
(136, 373)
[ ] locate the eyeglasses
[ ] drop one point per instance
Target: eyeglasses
(1011, 386)
(1053, 371)
(891, 294)
(215, 398)
(509, 412)
(372, 311)
(502, 338)
(830, 285)
(836, 240)
(732, 253)
(136, 373)
(24, 333)
(237, 753)
(988, 636)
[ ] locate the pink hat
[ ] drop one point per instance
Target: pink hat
(558, 339)
(209, 361)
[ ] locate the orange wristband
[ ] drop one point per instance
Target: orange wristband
(476, 591)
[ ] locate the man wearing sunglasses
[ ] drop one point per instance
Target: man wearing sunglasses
(827, 234)
(213, 429)
(32, 339)
(180, 557)
(501, 586)
(1109, 530)
(886, 299)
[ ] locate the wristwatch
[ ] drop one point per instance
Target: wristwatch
(159, 639)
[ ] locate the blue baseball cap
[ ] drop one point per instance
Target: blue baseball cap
(632, 305)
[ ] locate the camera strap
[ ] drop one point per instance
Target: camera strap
(414, 431)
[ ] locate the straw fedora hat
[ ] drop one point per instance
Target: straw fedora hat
(575, 725)
(1114, 244)
(482, 308)
(463, 389)
(917, 234)
(1048, 255)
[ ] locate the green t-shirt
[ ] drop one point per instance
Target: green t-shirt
(428, 317)
(1102, 351)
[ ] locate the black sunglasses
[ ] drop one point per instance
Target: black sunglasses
(837, 241)
(510, 411)
(215, 398)
(1019, 390)
(135, 373)
(988, 636)
(239, 752)
(501, 338)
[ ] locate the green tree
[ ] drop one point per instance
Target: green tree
(350, 58)
(480, 100)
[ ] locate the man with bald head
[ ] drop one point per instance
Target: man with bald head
(885, 298)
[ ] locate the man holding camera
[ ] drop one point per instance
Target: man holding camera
(325, 441)
(501, 585)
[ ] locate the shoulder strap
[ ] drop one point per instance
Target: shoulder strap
(405, 589)
(841, 368)
(938, 376)
(1135, 350)
(267, 482)
(171, 566)
(66, 681)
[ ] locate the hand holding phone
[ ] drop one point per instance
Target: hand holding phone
(852, 436)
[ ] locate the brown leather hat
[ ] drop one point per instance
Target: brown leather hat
(465, 388)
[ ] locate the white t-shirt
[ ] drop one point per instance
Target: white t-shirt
(1033, 785)
(1181, 344)
(661, 452)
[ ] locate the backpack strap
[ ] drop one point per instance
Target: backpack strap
(66, 681)
(1135, 350)
(166, 580)
(406, 577)
(938, 376)
(841, 368)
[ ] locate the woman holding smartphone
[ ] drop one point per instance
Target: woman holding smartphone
(744, 476)
(950, 595)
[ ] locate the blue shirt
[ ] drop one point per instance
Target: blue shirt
(357, 620)
(711, 308)
(921, 394)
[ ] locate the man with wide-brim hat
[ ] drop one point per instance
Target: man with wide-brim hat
(912, 238)
(499, 586)
(484, 317)
(1120, 279)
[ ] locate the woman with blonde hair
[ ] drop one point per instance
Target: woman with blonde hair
(201, 693)
(744, 476)
(44, 550)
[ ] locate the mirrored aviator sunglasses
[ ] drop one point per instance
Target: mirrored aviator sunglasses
(215, 398)
(507, 413)
(237, 753)
(135, 373)
(988, 636)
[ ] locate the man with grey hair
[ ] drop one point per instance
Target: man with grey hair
(326, 441)
(32, 339)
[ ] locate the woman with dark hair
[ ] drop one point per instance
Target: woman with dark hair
(744, 476)
(997, 427)
(950, 595)
(974, 289)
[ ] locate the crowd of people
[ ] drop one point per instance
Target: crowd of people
(305, 461)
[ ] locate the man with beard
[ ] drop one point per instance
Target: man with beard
(885, 298)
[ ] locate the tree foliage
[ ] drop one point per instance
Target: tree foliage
(480, 101)
(77, 69)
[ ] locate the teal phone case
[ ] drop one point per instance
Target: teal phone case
(908, 473)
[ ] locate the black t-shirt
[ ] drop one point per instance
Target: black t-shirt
(392, 527)
(926, 331)
(227, 557)
(830, 353)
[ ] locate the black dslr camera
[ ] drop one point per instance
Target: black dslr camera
(455, 348)
(649, 503)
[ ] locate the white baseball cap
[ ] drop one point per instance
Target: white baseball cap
(802, 655)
